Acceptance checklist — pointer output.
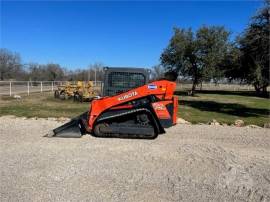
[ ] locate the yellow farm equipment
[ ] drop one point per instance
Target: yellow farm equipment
(65, 91)
(85, 91)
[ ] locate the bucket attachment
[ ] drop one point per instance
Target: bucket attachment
(73, 129)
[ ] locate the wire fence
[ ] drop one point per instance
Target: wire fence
(216, 87)
(27, 87)
(10, 88)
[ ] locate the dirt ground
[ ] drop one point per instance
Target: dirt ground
(188, 163)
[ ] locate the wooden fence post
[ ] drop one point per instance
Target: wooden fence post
(10, 89)
(28, 88)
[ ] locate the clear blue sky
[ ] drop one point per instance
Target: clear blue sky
(75, 34)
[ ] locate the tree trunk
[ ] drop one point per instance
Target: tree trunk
(264, 91)
(195, 81)
(261, 90)
(194, 84)
(1, 76)
(257, 88)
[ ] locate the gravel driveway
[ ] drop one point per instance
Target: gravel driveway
(188, 163)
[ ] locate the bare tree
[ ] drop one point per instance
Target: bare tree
(11, 68)
(10, 65)
(96, 72)
(157, 72)
(54, 72)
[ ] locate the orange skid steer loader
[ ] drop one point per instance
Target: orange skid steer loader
(141, 112)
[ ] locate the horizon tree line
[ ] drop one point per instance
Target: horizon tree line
(204, 55)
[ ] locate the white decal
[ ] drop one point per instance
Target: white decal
(152, 86)
(126, 96)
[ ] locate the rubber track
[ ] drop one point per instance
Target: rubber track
(128, 135)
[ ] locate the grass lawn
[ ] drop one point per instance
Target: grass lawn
(224, 106)
(41, 105)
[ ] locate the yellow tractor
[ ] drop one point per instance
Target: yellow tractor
(65, 91)
(85, 91)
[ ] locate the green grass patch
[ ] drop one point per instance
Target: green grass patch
(41, 105)
(224, 106)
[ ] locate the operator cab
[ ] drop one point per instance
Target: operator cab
(118, 80)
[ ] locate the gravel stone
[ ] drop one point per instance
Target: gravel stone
(266, 125)
(239, 123)
(182, 121)
(188, 163)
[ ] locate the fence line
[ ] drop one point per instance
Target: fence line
(18, 87)
(212, 86)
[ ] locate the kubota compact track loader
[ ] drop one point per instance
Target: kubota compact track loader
(141, 112)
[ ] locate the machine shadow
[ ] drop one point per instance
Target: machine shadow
(225, 92)
(225, 108)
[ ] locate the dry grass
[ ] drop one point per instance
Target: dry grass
(224, 106)
(41, 105)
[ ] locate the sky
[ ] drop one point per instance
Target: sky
(120, 34)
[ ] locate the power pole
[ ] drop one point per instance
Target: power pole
(89, 74)
(95, 76)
